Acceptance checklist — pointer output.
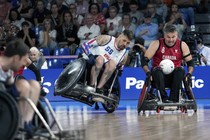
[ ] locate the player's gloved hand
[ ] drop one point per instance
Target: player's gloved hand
(91, 59)
(188, 78)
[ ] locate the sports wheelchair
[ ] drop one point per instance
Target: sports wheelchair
(10, 119)
(73, 83)
(186, 99)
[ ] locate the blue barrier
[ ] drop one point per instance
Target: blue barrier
(132, 81)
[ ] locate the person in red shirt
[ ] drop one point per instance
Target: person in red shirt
(172, 48)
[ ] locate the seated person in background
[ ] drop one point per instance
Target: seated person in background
(148, 30)
(15, 56)
(186, 7)
(176, 18)
(67, 33)
(47, 36)
(113, 22)
(88, 30)
(27, 34)
(37, 58)
(108, 51)
(169, 47)
(204, 53)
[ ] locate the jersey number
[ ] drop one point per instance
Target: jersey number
(109, 50)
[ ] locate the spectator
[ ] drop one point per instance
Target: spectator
(61, 7)
(47, 37)
(37, 58)
(67, 33)
(176, 18)
(113, 22)
(151, 8)
(98, 18)
(103, 6)
(15, 18)
(78, 19)
(161, 9)
(8, 32)
(55, 16)
(136, 16)
(122, 7)
(5, 6)
(148, 30)
(127, 25)
(204, 53)
(186, 7)
(26, 10)
(27, 34)
(89, 30)
(40, 13)
(82, 7)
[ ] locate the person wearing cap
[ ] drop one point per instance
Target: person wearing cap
(148, 30)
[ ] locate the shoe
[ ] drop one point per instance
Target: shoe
(29, 128)
(99, 99)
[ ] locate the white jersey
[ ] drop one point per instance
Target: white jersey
(109, 51)
(5, 75)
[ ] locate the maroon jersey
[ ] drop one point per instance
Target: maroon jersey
(174, 53)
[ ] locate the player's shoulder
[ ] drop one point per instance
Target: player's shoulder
(103, 39)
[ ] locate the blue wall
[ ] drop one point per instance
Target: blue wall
(131, 81)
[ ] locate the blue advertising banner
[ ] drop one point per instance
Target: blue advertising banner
(132, 81)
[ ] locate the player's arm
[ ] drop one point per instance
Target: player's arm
(149, 53)
(95, 42)
(187, 57)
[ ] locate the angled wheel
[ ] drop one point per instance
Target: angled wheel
(143, 95)
(9, 116)
(111, 106)
(70, 76)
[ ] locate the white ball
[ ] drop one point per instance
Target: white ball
(167, 66)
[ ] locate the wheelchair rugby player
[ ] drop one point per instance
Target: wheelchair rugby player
(175, 50)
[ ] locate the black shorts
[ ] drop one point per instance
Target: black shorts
(13, 91)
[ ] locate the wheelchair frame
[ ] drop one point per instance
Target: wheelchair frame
(184, 104)
(82, 92)
(10, 106)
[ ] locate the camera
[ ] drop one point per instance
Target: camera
(192, 39)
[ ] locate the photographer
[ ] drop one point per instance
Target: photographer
(204, 53)
(136, 52)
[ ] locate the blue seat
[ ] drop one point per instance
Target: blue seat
(45, 51)
(54, 63)
(61, 52)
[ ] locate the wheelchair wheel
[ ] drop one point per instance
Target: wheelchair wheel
(9, 116)
(110, 107)
(70, 76)
(143, 96)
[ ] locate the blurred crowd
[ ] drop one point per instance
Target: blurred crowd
(68, 23)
